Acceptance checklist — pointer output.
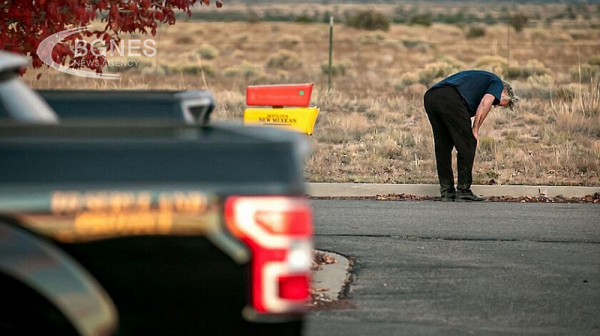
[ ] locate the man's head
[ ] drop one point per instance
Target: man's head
(509, 98)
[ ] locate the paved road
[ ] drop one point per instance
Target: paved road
(431, 268)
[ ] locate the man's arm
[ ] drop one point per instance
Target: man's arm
(482, 111)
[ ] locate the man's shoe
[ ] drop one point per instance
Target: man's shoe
(448, 198)
(448, 194)
(468, 196)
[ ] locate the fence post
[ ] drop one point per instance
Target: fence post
(508, 51)
(330, 52)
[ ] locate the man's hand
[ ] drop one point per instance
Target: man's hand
(482, 111)
(476, 135)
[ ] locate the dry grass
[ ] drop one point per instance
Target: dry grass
(373, 127)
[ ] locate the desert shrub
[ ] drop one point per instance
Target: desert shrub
(253, 17)
(161, 70)
(438, 70)
(139, 66)
(567, 92)
(539, 36)
(280, 76)
(341, 128)
(531, 68)
(304, 18)
(434, 71)
(475, 31)
(388, 149)
(430, 73)
(489, 19)
(369, 20)
(495, 64)
(417, 45)
(586, 71)
(534, 68)
(406, 79)
(518, 21)
(371, 38)
(513, 72)
(230, 72)
(594, 60)
(289, 41)
(250, 71)
(579, 36)
(337, 68)
(184, 39)
(487, 144)
(421, 20)
(453, 61)
(543, 80)
(415, 90)
(208, 52)
(244, 38)
(284, 59)
(407, 140)
(193, 69)
(536, 86)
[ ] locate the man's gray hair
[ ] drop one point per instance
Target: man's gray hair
(513, 98)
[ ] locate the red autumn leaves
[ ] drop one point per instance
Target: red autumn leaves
(24, 24)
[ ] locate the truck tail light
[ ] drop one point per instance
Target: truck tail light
(294, 287)
(278, 231)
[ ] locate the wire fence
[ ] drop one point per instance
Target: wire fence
(547, 52)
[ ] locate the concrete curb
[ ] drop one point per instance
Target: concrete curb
(330, 278)
(431, 190)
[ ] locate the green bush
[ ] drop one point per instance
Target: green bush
(531, 68)
(495, 64)
(230, 72)
(487, 144)
(588, 73)
(208, 52)
(289, 41)
(406, 80)
(304, 18)
(594, 60)
(253, 17)
(431, 73)
(368, 20)
(284, 59)
(250, 71)
(534, 68)
(475, 31)
(420, 46)
(207, 69)
(371, 38)
(337, 68)
(537, 86)
(518, 21)
(185, 39)
(421, 20)
(436, 71)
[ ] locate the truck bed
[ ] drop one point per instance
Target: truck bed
(192, 279)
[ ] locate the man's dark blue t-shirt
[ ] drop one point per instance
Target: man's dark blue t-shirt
(473, 85)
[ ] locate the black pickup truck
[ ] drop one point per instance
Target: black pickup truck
(190, 107)
(160, 229)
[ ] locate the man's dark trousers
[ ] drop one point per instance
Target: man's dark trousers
(451, 123)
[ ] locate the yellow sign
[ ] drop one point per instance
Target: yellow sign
(301, 119)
